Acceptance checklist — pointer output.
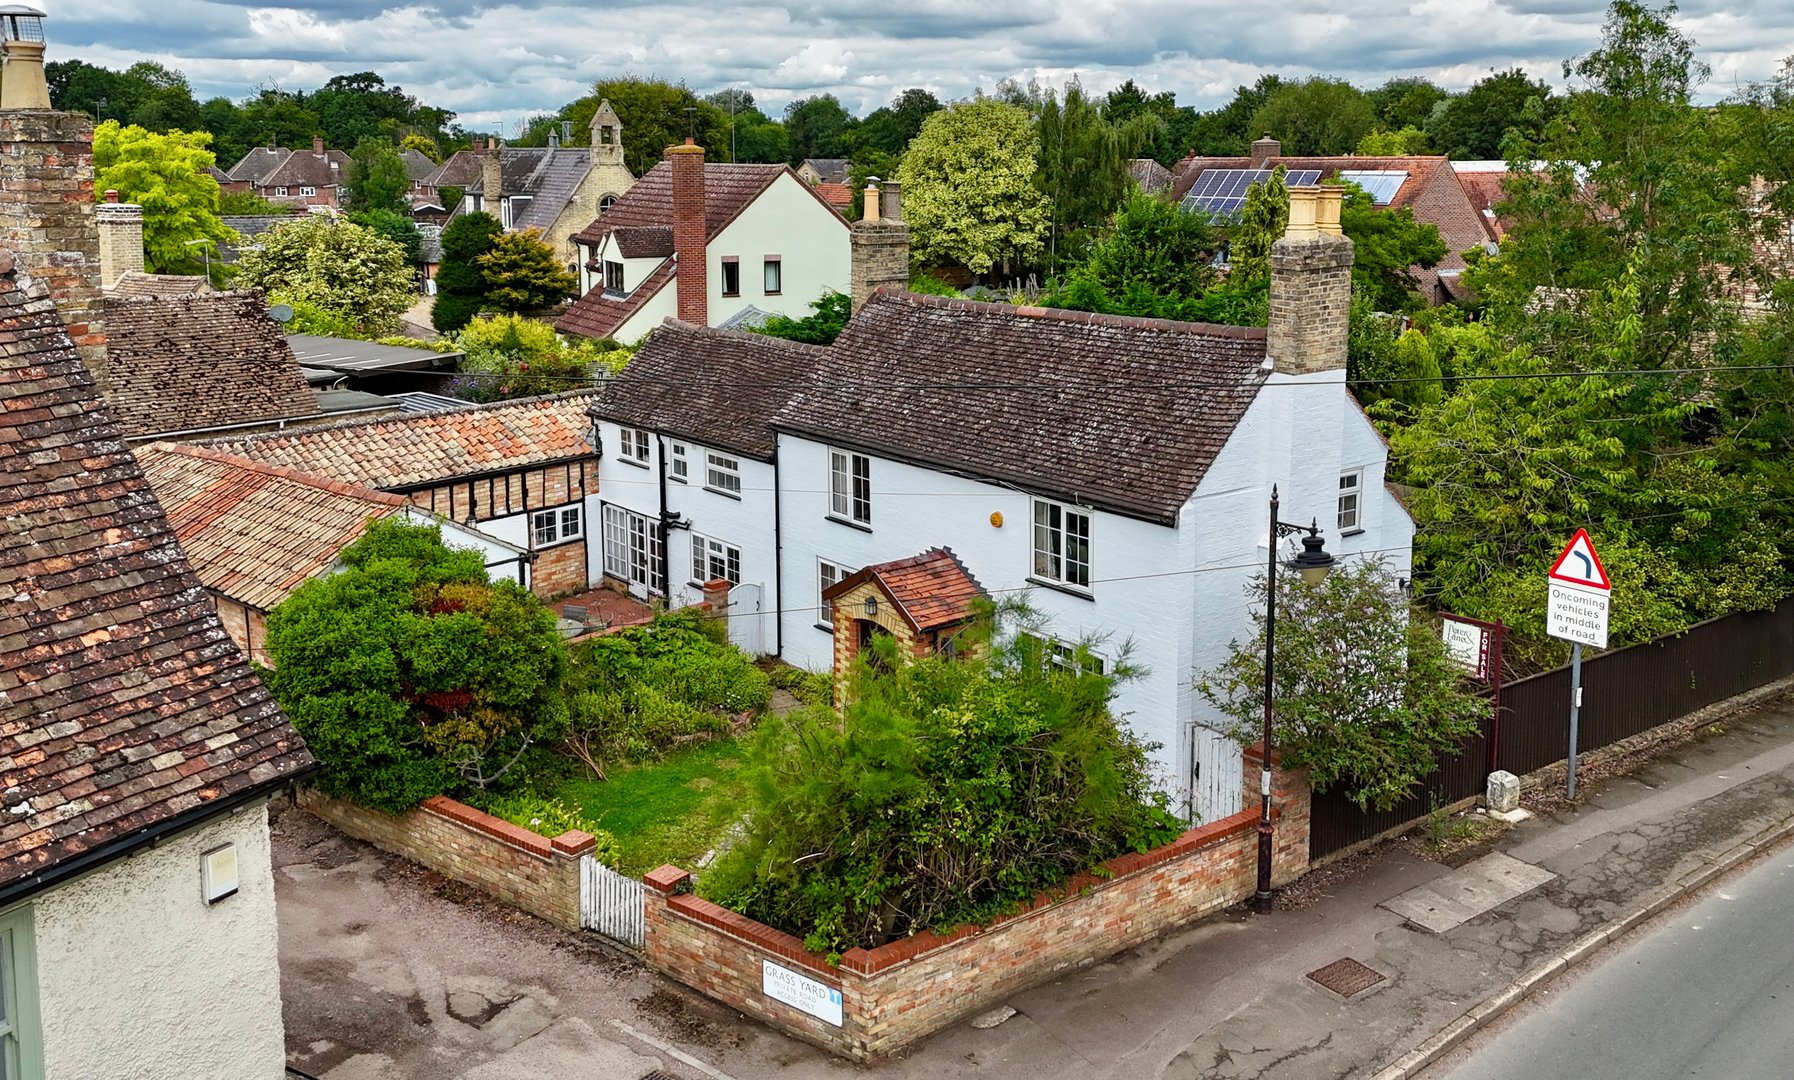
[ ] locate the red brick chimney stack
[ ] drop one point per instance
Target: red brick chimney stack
(317, 144)
(692, 280)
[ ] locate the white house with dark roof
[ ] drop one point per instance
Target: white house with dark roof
(705, 243)
(1115, 470)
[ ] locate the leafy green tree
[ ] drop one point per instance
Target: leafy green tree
(1228, 130)
(818, 127)
(1083, 169)
(1405, 102)
(753, 136)
(377, 179)
(968, 190)
(410, 674)
(889, 129)
(247, 204)
(351, 108)
(655, 113)
(399, 228)
(166, 102)
(1262, 223)
(1315, 116)
(424, 145)
(1387, 243)
(509, 356)
(828, 317)
(78, 86)
(460, 287)
(1365, 699)
(275, 118)
(946, 791)
(1167, 129)
(165, 174)
(337, 266)
(1153, 247)
(1405, 142)
(1473, 124)
(523, 274)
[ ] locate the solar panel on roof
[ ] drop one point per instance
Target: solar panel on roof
(1222, 192)
(1380, 184)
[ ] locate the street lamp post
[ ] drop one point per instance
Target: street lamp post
(1313, 564)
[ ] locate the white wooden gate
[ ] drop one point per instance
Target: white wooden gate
(610, 903)
(745, 630)
(1215, 783)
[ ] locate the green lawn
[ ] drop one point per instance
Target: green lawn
(668, 811)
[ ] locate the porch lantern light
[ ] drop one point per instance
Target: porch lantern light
(871, 607)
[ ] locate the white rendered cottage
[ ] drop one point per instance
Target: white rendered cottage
(712, 244)
(1116, 470)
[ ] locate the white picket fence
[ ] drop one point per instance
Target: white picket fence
(610, 903)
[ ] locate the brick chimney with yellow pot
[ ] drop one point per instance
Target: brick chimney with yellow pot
(690, 235)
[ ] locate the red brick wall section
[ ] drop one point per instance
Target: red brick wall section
(690, 234)
(526, 870)
(900, 992)
(560, 569)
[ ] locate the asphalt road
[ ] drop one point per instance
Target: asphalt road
(1708, 992)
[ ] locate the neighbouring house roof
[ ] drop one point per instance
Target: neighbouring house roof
(1122, 413)
(255, 532)
(259, 162)
(548, 175)
(352, 356)
(599, 314)
(181, 363)
(138, 283)
(1150, 175)
(644, 241)
(748, 318)
(930, 590)
(839, 196)
(306, 168)
(831, 170)
(218, 174)
(124, 705)
(461, 169)
(1486, 193)
(712, 406)
(418, 165)
(418, 450)
(249, 228)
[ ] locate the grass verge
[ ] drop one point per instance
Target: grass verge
(670, 811)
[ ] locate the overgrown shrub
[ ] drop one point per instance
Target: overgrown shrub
(510, 356)
(948, 791)
(639, 693)
(551, 817)
(809, 687)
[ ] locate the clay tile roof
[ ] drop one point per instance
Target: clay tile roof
(179, 363)
(730, 384)
(255, 532)
(418, 165)
(931, 590)
(259, 162)
(645, 241)
(599, 314)
(460, 170)
(123, 702)
(306, 168)
(1102, 410)
(1486, 192)
(1150, 175)
(138, 283)
(414, 450)
(839, 196)
(728, 189)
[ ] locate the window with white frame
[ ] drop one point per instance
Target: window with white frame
(827, 574)
(21, 1052)
(308, 191)
(632, 548)
(1351, 513)
(711, 559)
(1061, 544)
(557, 525)
(722, 473)
(1068, 656)
(850, 486)
(280, 191)
(681, 464)
(633, 445)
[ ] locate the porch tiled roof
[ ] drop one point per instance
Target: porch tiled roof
(931, 590)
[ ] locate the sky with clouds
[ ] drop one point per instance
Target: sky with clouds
(496, 63)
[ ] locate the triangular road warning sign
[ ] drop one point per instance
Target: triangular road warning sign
(1579, 565)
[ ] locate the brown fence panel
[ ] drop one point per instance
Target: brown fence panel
(1624, 693)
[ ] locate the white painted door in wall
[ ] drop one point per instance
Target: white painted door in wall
(745, 604)
(1215, 786)
(632, 551)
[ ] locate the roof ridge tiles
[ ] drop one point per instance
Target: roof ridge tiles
(403, 419)
(285, 472)
(1094, 318)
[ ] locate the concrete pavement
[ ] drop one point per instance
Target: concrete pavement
(1227, 998)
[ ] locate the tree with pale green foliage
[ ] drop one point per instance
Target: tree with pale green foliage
(336, 266)
(522, 273)
(1404, 142)
(968, 189)
(1366, 698)
(1262, 222)
(166, 175)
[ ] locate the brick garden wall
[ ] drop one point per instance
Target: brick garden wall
(526, 870)
(902, 991)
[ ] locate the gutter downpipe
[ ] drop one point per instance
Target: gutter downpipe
(778, 557)
(666, 547)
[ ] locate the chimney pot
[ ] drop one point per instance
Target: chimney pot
(1304, 221)
(111, 195)
(871, 203)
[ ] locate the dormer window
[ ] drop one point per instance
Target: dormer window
(613, 277)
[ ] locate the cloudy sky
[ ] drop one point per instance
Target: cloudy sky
(496, 63)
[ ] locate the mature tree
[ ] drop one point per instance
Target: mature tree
(78, 86)
(377, 179)
(410, 674)
(753, 136)
(166, 103)
(948, 790)
(1473, 124)
(655, 113)
(460, 287)
(337, 267)
(1405, 102)
(828, 317)
(1316, 116)
(1165, 128)
(276, 118)
(355, 107)
(1153, 257)
(522, 273)
(968, 190)
(1415, 379)
(399, 228)
(817, 127)
(1262, 222)
(888, 130)
(1083, 169)
(165, 174)
(1387, 243)
(1366, 698)
(1405, 142)
(1228, 130)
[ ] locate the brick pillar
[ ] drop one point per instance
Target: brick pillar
(1311, 291)
(492, 182)
(716, 596)
(121, 238)
(1265, 149)
(690, 235)
(47, 218)
(1290, 807)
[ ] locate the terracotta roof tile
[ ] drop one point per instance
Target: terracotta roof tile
(123, 703)
(398, 453)
(931, 590)
(839, 196)
(599, 314)
(728, 189)
(1122, 413)
(255, 532)
(305, 168)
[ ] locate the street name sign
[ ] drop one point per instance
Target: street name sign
(1577, 595)
(800, 991)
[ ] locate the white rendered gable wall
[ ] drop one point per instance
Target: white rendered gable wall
(790, 222)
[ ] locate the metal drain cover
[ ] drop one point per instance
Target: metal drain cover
(1346, 977)
(660, 1074)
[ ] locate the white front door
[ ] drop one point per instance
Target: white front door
(632, 551)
